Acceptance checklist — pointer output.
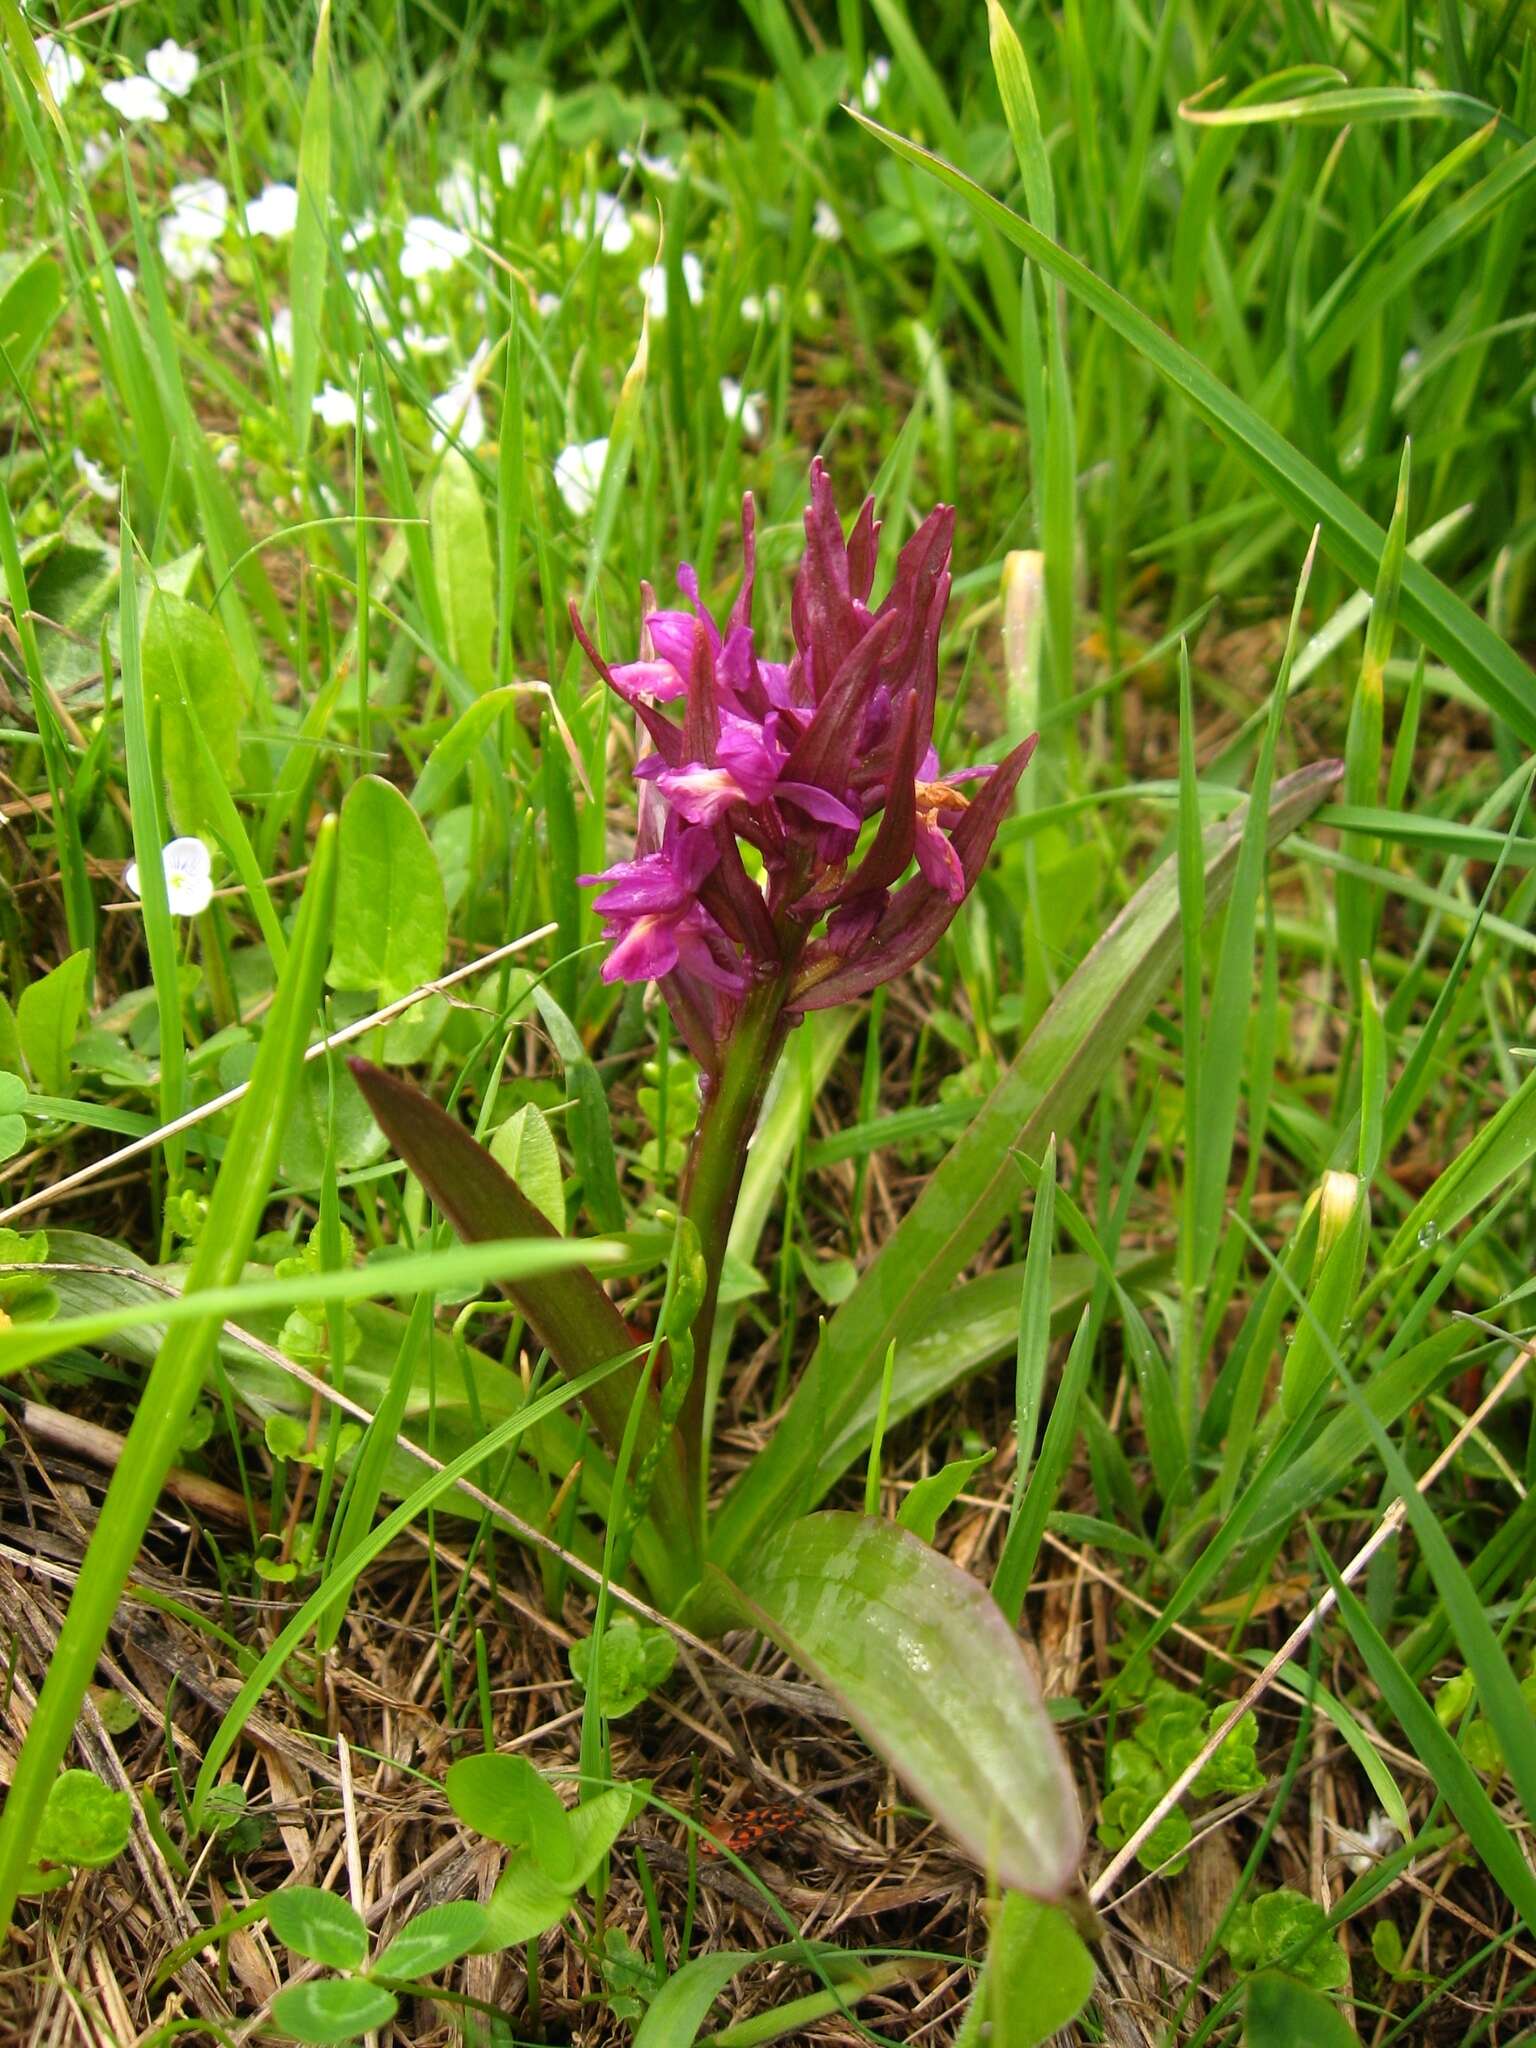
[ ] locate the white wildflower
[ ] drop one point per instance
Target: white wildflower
(62, 68)
(337, 409)
(464, 196)
(282, 333)
(549, 304)
(653, 282)
(188, 877)
(172, 68)
(661, 168)
(771, 303)
(876, 78)
(457, 414)
(600, 217)
(579, 471)
(274, 212)
(743, 406)
(205, 203)
(369, 293)
(431, 247)
(127, 277)
(95, 151)
(136, 99)
(825, 225)
(415, 341)
(363, 229)
(95, 479)
(509, 161)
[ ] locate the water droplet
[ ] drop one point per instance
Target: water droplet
(1429, 1235)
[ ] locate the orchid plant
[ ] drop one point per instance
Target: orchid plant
(798, 845)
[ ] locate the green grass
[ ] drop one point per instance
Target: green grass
(1172, 1265)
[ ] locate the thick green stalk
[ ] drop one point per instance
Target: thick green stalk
(713, 1182)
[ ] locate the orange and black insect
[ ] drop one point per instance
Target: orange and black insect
(743, 1832)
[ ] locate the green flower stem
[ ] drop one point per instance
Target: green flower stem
(712, 1183)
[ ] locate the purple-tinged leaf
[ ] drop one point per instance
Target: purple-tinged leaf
(927, 1669)
(568, 1311)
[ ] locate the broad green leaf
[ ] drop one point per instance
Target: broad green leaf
(31, 293)
(934, 1678)
(505, 1799)
(1036, 1979)
(391, 913)
(431, 1940)
(48, 1019)
(1282, 2012)
(461, 558)
(524, 1148)
(332, 2009)
(85, 1822)
(1428, 610)
(527, 1901)
(319, 1925)
(1050, 1083)
(190, 673)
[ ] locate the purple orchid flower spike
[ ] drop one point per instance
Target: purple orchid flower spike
(792, 761)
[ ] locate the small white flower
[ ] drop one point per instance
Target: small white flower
(825, 225)
(743, 406)
(464, 196)
(363, 229)
(186, 249)
(509, 161)
(228, 456)
(61, 67)
(188, 232)
(602, 217)
(653, 282)
(136, 99)
(579, 471)
(548, 304)
(282, 333)
(876, 78)
(188, 877)
(415, 341)
(661, 168)
(95, 479)
(369, 293)
(431, 247)
(457, 414)
(273, 213)
(173, 69)
(127, 277)
(1376, 1839)
(772, 303)
(336, 408)
(94, 152)
(205, 204)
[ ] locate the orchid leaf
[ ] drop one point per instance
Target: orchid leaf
(933, 1677)
(569, 1311)
(1071, 1049)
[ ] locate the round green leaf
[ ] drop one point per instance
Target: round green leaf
(391, 913)
(318, 1925)
(433, 1940)
(333, 2009)
(84, 1822)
